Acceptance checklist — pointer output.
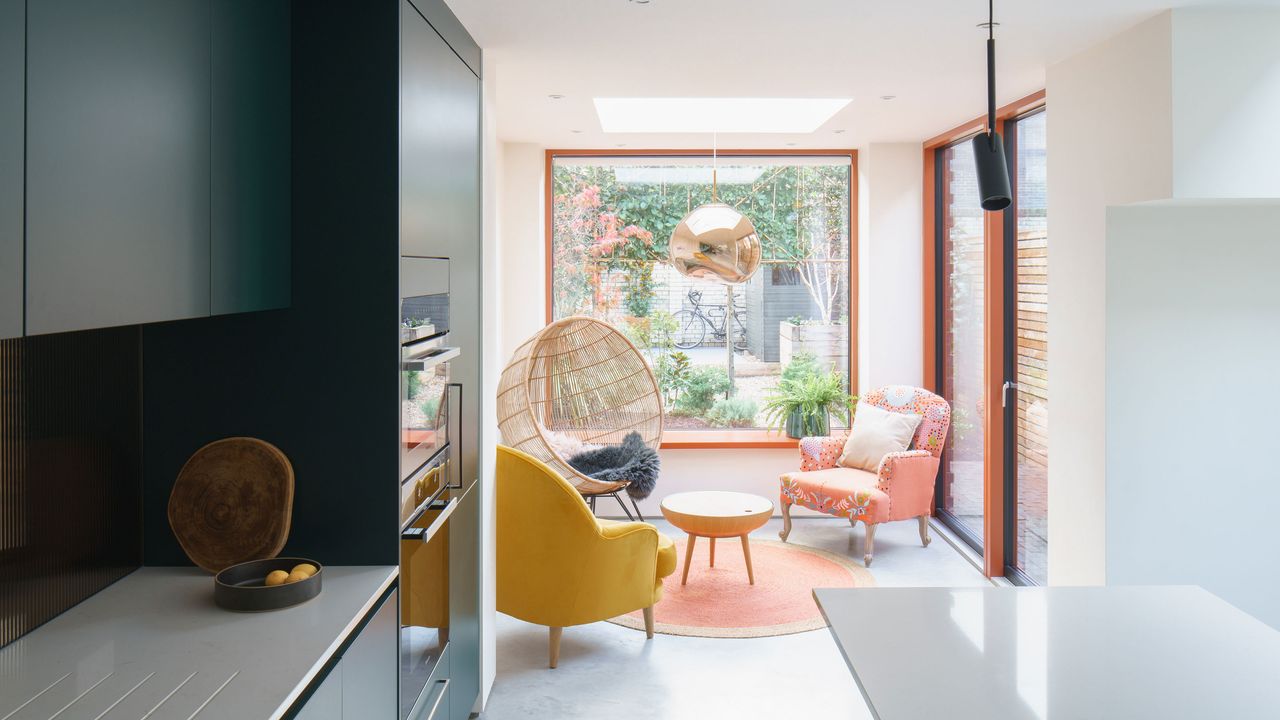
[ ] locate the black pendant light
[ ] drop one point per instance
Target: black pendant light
(988, 147)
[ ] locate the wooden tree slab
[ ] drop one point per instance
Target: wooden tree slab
(232, 502)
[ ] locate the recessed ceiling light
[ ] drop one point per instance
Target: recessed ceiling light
(888, 97)
(576, 132)
(556, 97)
(622, 144)
(710, 115)
(838, 132)
(640, 2)
(791, 144)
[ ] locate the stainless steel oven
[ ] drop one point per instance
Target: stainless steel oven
(424, 361)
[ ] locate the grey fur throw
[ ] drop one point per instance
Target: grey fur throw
(632, 461)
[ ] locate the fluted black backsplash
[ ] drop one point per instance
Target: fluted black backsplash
(70, 470)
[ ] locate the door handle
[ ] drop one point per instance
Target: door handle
(1004, 392)
(454, 420)
(435, 706)
(425, 535)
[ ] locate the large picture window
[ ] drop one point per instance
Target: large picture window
(610, 221)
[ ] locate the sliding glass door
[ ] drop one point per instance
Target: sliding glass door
(1027, 342)
(987, 343)
(961, 260)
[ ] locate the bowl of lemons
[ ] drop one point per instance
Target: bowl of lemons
(269, 584)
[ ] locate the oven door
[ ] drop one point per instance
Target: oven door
(425, 403)
(427, 502)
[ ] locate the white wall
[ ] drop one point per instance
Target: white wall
(523, 271)
(1109, 141)
(1226, 102)
(889, 265)
(1192, 315)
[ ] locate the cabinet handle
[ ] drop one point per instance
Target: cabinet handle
(454, 400)
(435, 706)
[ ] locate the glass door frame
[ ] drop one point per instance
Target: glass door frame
(1009, 330)
(998, 517)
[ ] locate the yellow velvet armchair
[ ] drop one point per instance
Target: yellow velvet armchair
(558, 565)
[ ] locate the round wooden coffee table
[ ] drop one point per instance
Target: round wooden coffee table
(716, 514)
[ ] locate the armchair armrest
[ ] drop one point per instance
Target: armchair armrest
(821, 453)
(908, 478)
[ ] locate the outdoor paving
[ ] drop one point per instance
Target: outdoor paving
(1033, 509)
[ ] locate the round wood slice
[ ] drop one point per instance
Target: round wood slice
(232, 502)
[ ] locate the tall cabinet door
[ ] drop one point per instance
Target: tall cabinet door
(118, 114)
(11, 119)
(439, 143)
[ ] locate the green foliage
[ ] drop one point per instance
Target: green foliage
(673, 375)
(802, 364)
(429, 407)
(413, 382)
(638, 291)
(733, 412)
(811, 394)
(702, 387)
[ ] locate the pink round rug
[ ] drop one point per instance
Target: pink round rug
(719, 602)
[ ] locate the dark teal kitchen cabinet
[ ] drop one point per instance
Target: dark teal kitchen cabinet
(158, 165)
(118, 116)
(12, 50)
(250, 155)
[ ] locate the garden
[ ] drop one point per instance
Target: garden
(740, 358)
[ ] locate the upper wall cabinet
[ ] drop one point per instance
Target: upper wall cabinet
(157, 171)
(11, 91)
(250, 156)
(117, 162)
(439, 143)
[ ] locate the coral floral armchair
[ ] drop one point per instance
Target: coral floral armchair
(902, 487)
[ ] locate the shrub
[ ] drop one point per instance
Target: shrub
(673, 375)
(733, 412)
(802, 364)
(702, 387)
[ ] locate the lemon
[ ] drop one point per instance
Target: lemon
(305, 568)
(277, 577)
(295, 576)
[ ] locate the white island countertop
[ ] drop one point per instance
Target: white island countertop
(153, 645)
(1073, 653)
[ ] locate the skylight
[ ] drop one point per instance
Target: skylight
(711, 115)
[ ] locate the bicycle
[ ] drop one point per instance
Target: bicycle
(692, 324)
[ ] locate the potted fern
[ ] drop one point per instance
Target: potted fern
(803, 403)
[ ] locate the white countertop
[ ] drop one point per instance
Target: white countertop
(1063, 652)
(153, 645)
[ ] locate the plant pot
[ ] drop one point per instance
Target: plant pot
(802, 425)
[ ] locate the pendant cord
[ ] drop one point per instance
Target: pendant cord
(715, 168)
(991, 71)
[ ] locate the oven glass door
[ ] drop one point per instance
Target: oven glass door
(424, 600)
(424, 405)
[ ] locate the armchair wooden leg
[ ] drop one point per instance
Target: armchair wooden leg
(746, 554)
(556, 632)
(924, 530)
(786, 521)
(871, 544)
(648, 622)
(688, 557)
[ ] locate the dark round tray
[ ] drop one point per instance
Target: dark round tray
(241, 587)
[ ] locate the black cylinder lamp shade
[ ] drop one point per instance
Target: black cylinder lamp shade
(993, 171)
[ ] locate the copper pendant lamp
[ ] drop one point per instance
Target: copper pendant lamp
(715, 241)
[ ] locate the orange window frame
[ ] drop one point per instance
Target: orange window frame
(708, 439)
(993, 491)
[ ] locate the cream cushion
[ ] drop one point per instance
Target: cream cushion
(876, 433)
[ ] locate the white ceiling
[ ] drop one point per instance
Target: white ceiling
(927, 53)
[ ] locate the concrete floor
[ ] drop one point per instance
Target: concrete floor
(607, 671)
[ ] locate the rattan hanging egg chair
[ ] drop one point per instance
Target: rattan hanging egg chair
(578, 382)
